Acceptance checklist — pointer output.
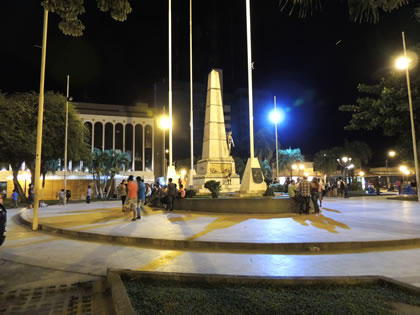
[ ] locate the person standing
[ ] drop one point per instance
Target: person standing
(141, 196)
(315, 194)
(31, 196)
(15, 198)
(292, 192)
(171, 195)
(321, 191)
(68, 195)
(88, 194)
(130, 203)
(61, 196)
(305, 193)
(122, 191)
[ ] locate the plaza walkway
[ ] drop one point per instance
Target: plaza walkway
(370, 220)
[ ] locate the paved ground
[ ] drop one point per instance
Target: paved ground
(47, 259)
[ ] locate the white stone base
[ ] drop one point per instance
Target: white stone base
(171, 173)
(190, 181)
(248, 185)
(200, 180)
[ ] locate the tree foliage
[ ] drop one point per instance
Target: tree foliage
(70, 10)
(359, 10)
(289, 156)
(104, 165)
(18, 135)
(384, 106)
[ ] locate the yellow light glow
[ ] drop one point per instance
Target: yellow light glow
(301, 166)
(407, 172)
(294, 166)
(361, 173)
(402, 63)
(403, 168)
(306, 174)
(183, 172)
(345, 159)
(392, 153)
(164, 122)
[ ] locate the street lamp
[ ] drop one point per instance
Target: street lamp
(164, 124)
(294, 168)
(390, 154)
(276, 117)
(403, 63)
(345, 162)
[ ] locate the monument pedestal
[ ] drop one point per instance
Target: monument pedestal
(253, 179)
(191, 175)
(171, 173)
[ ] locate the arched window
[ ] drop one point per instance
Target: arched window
(138, 157)
(88, 125)
(109, 136)
(119, 136)
(148, 148)
(97, 143)
(129, 141)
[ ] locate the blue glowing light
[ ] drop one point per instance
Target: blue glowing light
(277, 116)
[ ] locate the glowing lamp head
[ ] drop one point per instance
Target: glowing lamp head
(391, 153)
(183, 172)
(164, 123)
(277, 116)
(402, 63)
(345, 159)
(407, 172)
(294, 167)
(351, 166)
(361, 173)
(403, 168)
(306, 174)
(301, 166)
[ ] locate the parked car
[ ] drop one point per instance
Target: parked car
(3, 220)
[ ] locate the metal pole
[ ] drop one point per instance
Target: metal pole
(387, 173)
(66, 137)
(39, 127)
(251, 115)
(170, 81)
(191, 92)
(164, 149)
(277, 146)
(413, 131)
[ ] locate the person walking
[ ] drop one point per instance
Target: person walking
(171, 193)
(398, 184)
(61, 196)
(321, 191)
(15, 196)
(68, 195)
(130, 203)
(315, 193)
(346, 189)
(305, 193)
(88, 194)
(141, 196)
(122, 191)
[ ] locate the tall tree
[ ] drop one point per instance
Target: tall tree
(384, 106)
(70, 10)
(325, 161)
(19, 138)
(289, 156)
(359, 10)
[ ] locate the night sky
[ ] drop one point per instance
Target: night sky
(299, 60)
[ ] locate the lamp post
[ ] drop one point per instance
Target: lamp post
(390, 154)
(66, 138)
(164, 124)
(345, 162)
(403, 63)
(39, 126)
(275, 117)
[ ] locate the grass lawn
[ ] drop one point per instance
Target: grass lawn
(150, 296)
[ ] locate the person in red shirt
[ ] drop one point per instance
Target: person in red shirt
(131, 201)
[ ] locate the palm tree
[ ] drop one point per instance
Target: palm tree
(359, 10)
(289, 156)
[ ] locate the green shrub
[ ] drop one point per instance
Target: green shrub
(214, 188)
(190, 193)
(355, 186)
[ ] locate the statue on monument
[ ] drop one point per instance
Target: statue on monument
(230, 142)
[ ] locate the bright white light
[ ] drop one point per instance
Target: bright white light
(183, 172)
(306, 174)
(277, 116)
(403, 168)
(407, 172)
(362, 174)
(345, 159)
(294, 167)
(402, 63)
(301, 166)
(351, 166)
(164, 123)
(391, 153)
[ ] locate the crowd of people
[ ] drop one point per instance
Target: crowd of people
(134, 194)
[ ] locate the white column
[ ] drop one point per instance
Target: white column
(113, 136)
(134, 149)
(93, 135)
(144, 144)
(103, 136)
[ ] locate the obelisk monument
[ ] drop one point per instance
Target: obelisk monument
(216, 163)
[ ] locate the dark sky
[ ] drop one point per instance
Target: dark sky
(296, 59)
